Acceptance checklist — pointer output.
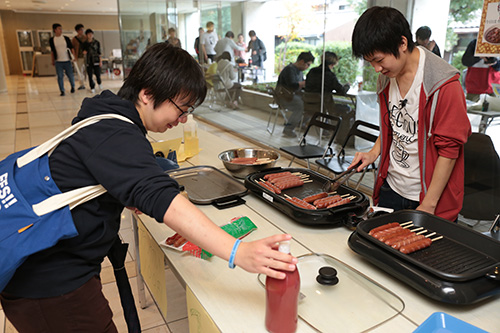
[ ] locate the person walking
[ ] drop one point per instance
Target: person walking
(208, 41)
(77, 42)
(92, 50)
(62, 52)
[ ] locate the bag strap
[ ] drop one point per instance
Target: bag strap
(49, 145)
(71, 198)
(74, 197)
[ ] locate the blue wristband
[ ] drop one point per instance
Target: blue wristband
(233, 253)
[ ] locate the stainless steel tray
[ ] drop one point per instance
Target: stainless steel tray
(207, 185)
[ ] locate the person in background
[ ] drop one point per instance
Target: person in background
(424, 123)
(197, 46)
(59, 289)
(62, 52)
(77, 42)
(481, 73)
(92, 50)
(227, 44)
(315, 77)
(423, 36)
(208, 41)
(226, 71)
(288, 88)
(241, 43)
(257, 48)
(314, 82)
(172, 39)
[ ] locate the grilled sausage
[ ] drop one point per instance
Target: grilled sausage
(180, 241)
(339, 203)
(171, 240)
(270, 176)
(383, 227)
(244, 160)
(304, 203)
(325, 202)
(381, 233)
(393, 240)
(407, 241)
(396, 233)
(284, 179)
(312, 198)
(275, 188)
(290, 184)
(267, 186)
(300, 203)
(415, 246)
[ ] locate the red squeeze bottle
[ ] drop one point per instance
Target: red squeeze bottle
(282, 297)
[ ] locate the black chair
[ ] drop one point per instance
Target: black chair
(340, 163)
(481, 181)
(275, 109)
(306, 151)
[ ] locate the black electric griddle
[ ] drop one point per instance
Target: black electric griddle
(348, 214)
(461, 268)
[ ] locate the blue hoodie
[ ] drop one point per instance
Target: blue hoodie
(117, 155)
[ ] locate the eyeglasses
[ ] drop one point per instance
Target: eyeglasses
(189, 110)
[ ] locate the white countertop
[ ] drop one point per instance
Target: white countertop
(235, 300)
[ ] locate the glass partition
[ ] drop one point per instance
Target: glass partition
(244, 99)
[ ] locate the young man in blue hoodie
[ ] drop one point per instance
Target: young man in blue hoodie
(58, 289)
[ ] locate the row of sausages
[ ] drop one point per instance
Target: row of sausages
(399, 238)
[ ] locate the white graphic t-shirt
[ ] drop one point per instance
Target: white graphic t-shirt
(209, 39)
(61, 48)
(404, 169)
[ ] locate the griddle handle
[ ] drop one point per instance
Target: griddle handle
(228, 202)
(351, 221)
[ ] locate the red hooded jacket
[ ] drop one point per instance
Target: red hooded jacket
(443, 129)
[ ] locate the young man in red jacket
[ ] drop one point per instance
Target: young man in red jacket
(423, 119)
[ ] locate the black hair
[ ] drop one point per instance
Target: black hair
(171, 30)
(251, 33)
(331, 58)
(306, 57)
(165, 72)
(225, 55)
(55, 26)
(380, 29)
(229, 34)
(89, 31)
(78, 27)
(423, 33)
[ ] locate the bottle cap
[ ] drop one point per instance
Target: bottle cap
(284, 247)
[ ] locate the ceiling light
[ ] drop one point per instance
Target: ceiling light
(39, 1)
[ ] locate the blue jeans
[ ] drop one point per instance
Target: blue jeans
(61, 67)
(390, 199)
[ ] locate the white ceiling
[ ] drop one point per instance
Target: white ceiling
(61, 6)
(99, 6)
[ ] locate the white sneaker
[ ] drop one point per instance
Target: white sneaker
(100, 86)
(92, 90)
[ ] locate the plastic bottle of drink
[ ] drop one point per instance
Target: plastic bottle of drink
(282, 297)
(191, 144)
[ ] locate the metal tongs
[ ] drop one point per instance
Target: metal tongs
(334, 184)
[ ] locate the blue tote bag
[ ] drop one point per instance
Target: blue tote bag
(34, 214)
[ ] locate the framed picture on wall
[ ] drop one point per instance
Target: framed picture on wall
(44, 37)
(24, 38)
